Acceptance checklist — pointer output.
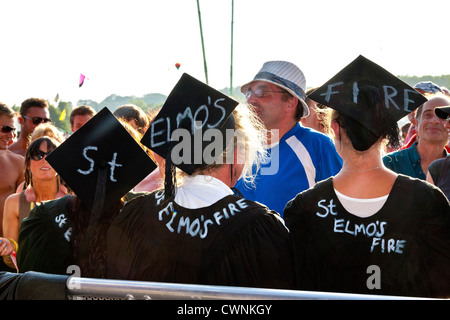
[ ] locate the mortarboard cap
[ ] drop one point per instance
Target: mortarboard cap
(442, 112)
(101, 161)
(342, 93)
(195, 108)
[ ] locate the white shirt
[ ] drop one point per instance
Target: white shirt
(201, 191)
(361, 207)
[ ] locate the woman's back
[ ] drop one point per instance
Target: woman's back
(408, 239)
(231, 242)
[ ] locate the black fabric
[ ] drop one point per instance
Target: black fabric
(232, 242)
(24, 206)
(333, 249)
(440, 172)
(32, 286)
(44, 238)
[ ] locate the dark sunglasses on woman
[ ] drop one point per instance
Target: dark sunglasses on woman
(7, 129)
(39, 155)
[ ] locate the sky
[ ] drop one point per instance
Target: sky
(131, 47)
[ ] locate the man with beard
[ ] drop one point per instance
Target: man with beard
(298, 156)
(432, 138)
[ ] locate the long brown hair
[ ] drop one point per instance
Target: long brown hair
(89, 248)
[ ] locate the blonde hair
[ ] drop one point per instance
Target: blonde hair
(250, 137)
(48, 130)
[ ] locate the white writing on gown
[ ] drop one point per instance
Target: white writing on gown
(177, 223)
(374, 230)
(61, 221)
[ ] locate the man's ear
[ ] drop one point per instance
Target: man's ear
(335, 126)
(292, 105)
(295, 102)
(20, 120)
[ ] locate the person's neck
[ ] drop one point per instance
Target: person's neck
(363, 166)
(275, 134)
(429, 152)
(45, 190)
(364, 177)
(356, 162)
(24, 140)
(223, 173)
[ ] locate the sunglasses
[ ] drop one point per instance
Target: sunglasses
(260, 92)
(37, 120)
(7, 129)
(39, 155)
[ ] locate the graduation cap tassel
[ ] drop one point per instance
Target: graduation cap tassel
(170, 178)
(96, 214)
(100, 192)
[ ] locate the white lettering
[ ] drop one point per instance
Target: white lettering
(388, 96)
(330, 90)
(375, 229)
(198, 226)
(91, 168)
(407, 100)
(355, 92)
(113, 164)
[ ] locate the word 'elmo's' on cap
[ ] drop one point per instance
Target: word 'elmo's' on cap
(101, 159)
(177, 133)
(342, 93)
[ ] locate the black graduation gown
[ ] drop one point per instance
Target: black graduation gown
(233, 242)
(408, 239)
(45, 238)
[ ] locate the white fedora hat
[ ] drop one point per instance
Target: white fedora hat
(285, 75)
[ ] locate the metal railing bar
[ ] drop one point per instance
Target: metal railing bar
(139, 290)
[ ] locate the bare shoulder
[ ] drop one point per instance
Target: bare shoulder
(7, 156)
(12, 202)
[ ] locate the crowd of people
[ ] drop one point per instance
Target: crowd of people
(321, 186)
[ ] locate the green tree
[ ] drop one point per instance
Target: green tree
(61, 122)
(443, 80)
(140, 103)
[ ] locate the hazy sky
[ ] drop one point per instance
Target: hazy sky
(131, 47)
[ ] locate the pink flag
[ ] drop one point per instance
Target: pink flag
(82, 76)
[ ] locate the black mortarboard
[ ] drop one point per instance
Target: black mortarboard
(341, 93)
(442, 112)
(194, 107)
(101, 161)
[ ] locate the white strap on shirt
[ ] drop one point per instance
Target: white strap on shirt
(304, 157)
(201, 191)
(361, 207)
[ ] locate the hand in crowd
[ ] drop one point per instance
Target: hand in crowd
(6, 247)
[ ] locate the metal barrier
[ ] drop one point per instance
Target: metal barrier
(82, 288)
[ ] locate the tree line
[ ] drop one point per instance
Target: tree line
(60, 111)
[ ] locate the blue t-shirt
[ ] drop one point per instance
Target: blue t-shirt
(300, 159)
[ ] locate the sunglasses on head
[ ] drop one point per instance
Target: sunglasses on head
(39, 155)
(37, 120)
(7, 129)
